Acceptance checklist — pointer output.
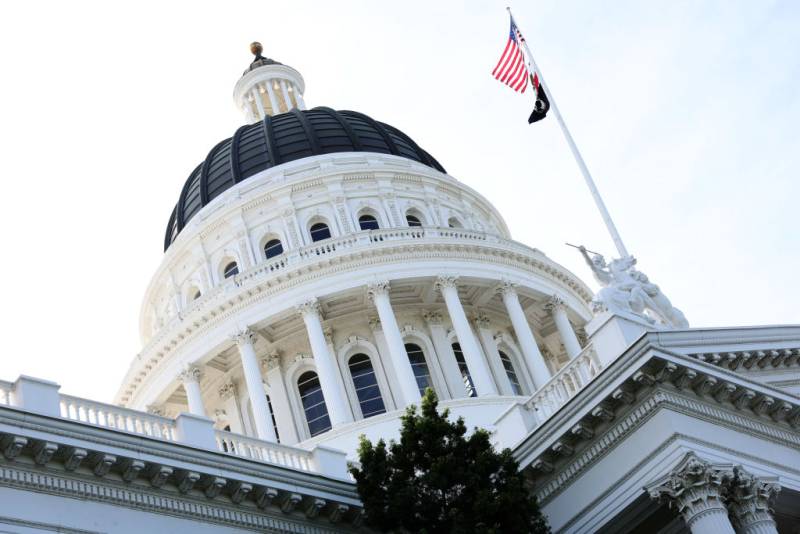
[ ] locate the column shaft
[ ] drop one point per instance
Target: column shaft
(452, 375)
(194, 397)
(286, 96)
(273, 100)
(527, 342)
(478, 369)
(279, 397)
(394, 341)
(256, 92)
(335, 398)
(493, 356)
(712, 522)
(255, 387)
(300, 102)
(564, 327)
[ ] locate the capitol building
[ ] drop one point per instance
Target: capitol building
(320, 271)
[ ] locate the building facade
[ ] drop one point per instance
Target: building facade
(320, 271)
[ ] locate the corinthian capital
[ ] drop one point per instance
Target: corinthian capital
(446, 281)
(554, 304)
(272, 361)
(506, 287)
(749, 498)
(482, 320)
(244, 336)
(432, 317)
(694, 488)
(192, 373)
(377, 288)
(309, 307)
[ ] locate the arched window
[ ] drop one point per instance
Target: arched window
(273, 248)
(230, 270)
(367, 390)
(508, 365)
(462, 366)
(313, 403)
(452, 222)
(368, 222)
(420, 367)
(272, 415)
(319, 231)
(413, 220)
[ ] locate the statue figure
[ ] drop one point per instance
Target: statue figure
(627, 290)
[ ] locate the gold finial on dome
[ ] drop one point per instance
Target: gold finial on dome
(256, 49)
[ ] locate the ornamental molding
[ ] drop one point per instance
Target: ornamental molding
(272, 360)
(482, 320)
(196, 321)
(433, 317)
(506, 288)
(446, 281)
(555, 303)
(310, 307)
(244, 337)
(375, 323)
(227, 390)
(191, 373)
(749, 499)
(376, 289)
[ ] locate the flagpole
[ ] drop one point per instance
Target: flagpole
(612, 229)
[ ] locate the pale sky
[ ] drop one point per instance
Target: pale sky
(686, 112)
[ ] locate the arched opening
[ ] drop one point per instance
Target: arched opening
(453, 222)
(273, 248)
(511, 373)
(366, 385)
(313, 403)
(413, 219)
(469, 386)
(420, 367)
(368, 222)
(319, 231)
(231, 269)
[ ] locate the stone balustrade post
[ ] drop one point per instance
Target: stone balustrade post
(379, 294)
(245, 340)
(478, 368)
(37, 395)
(195, 431)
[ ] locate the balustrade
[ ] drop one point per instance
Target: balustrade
(264, 451)
(5, 392)
(117, 418)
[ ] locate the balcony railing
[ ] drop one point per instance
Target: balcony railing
(39, 396)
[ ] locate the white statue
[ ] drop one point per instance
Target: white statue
(626, 290)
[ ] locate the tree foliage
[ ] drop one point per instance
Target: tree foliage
(435, 479)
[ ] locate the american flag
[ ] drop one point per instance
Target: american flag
(511, 69)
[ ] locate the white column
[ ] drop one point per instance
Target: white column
(256, 92)
(335, 398)
(286, 96)
(273, 100)
(190, 377)
(279, 397)
(694, 488)
(749, 500)
(383, 349)
(245, 339)
(379, 293)
(299, 97)
(558, 309)
(478, 369)
(450, 370)
(522, 329)
(328, 331)
(492, 354)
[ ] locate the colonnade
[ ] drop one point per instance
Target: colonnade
(484, 364)
(279, 98)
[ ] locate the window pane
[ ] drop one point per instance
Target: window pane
(319, 232)
(367, 390)
(273, 248)
(465, 376)
(420, 367)
(313, 403)
(413, 220)
(511, 373)
(231, 269)
(368, 222)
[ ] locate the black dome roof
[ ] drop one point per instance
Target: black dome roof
(281, 139)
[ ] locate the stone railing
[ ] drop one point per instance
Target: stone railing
(522, 418)
(564, 384)
(117, 418)
(43, 397)
(264, 451)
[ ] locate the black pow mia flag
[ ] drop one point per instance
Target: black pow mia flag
(540, 107)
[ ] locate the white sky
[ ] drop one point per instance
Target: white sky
(686, 113)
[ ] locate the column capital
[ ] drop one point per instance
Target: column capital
(694, 488)
(272, 360)
(446, 281)
(555, 303)
(156, 409)
(191, 373)
(227, 390)
(309, 307)
(506, 287)
(327, 331)
(432, 317)
(375, 323)
(245, 336)
(749, 498)
(481, 319)
(378, 288)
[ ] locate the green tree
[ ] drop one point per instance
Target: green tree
(437, 480)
